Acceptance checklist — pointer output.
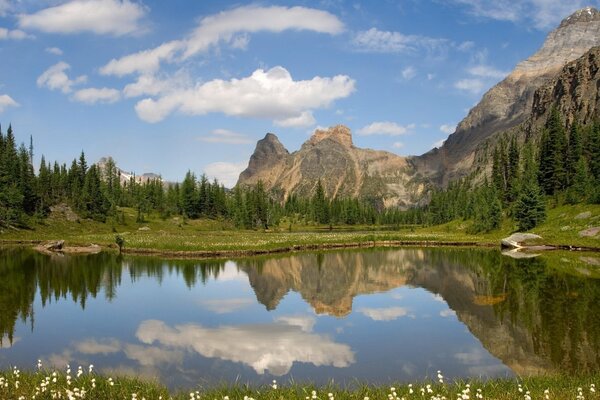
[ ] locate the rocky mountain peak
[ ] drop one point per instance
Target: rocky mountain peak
(268, 152)
(337, 133)
(584, 15)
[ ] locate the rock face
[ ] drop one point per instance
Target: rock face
(343, 169)
(510, 102)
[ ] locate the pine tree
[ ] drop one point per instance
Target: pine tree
(574, 152)
(94, 203)
(529, 209)
(581, 183)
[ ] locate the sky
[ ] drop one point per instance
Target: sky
(178, 85)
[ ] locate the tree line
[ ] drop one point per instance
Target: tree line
(560, 165)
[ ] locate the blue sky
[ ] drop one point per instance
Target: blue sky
(167, 86)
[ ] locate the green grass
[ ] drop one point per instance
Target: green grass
(15, 385)
(173, 234)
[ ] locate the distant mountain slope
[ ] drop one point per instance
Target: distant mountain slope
(509, 103)
(126, 176)
(344, 170)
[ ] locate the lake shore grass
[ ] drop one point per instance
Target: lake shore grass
(174, 237)
(46, 384)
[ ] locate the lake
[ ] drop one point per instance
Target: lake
(377, 315)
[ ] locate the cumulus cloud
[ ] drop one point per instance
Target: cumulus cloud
(439, 144)
(264, 94)
(94, 346)
(487, 71)
(385, 128)
(225, 136)
(305, 119)
(304, 322)
(397, 145)
(226, 173)
(54, 50)
(145, 61)
(103, 17)
(228, 305)
(448, 128)
(97, 95)
(7, 101)
(266, 347)
(376, 41)
(15, 34)
(543, 14)
(384, 313)
(471, 85)
(408, 73)
(230, 27)
(447, 313)
(56, 78)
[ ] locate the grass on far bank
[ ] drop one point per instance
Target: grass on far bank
(174, 234)
(85, 383)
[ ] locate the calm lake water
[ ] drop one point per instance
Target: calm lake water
(375, 315)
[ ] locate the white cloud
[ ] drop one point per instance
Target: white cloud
(408, 73)
(304, 322)
(152, 356)
(97, 95)
(466, 46)
(225, 136)
(543, 14)
(5, 6)
(448, 128)
(228, 305)
(226, 173)
(250, 19)
(305, 119)
(145, 61)
(15, 34)
(153, 85)
(485, 71)
(439, 143)
(103, 17)
(54, 50)
(266, 347)
(447, 313)
(55, 78)
(430, 76)
(7, 101)
(230, 27)
(374, 40)
(397, 145)
(385, 128)
(385, 313)
(94, 346)
(472, 85)
(264, 94)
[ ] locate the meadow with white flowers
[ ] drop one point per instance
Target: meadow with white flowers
(84, 383)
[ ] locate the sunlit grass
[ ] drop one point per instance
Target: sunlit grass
(174, 234)
(84, 383)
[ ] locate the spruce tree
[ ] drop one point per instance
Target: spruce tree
(530, 208)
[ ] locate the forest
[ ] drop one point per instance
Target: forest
(559, 165)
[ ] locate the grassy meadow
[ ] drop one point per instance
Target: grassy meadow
(178, 235)
(83, 383)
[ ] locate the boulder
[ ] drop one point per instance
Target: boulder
(517, 240)
(55, 246)
(590, 232)
(584, 215)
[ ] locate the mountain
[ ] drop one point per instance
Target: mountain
(562, 73)
(509, 103)
(343, 169)
(124, 176)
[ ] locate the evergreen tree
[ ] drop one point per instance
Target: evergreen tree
(94, 203)
(530, 209)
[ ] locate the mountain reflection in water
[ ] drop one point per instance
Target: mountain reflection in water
(189, 321)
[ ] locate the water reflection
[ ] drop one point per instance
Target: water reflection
(370, 312)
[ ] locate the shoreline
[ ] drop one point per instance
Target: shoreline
(225, 253)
